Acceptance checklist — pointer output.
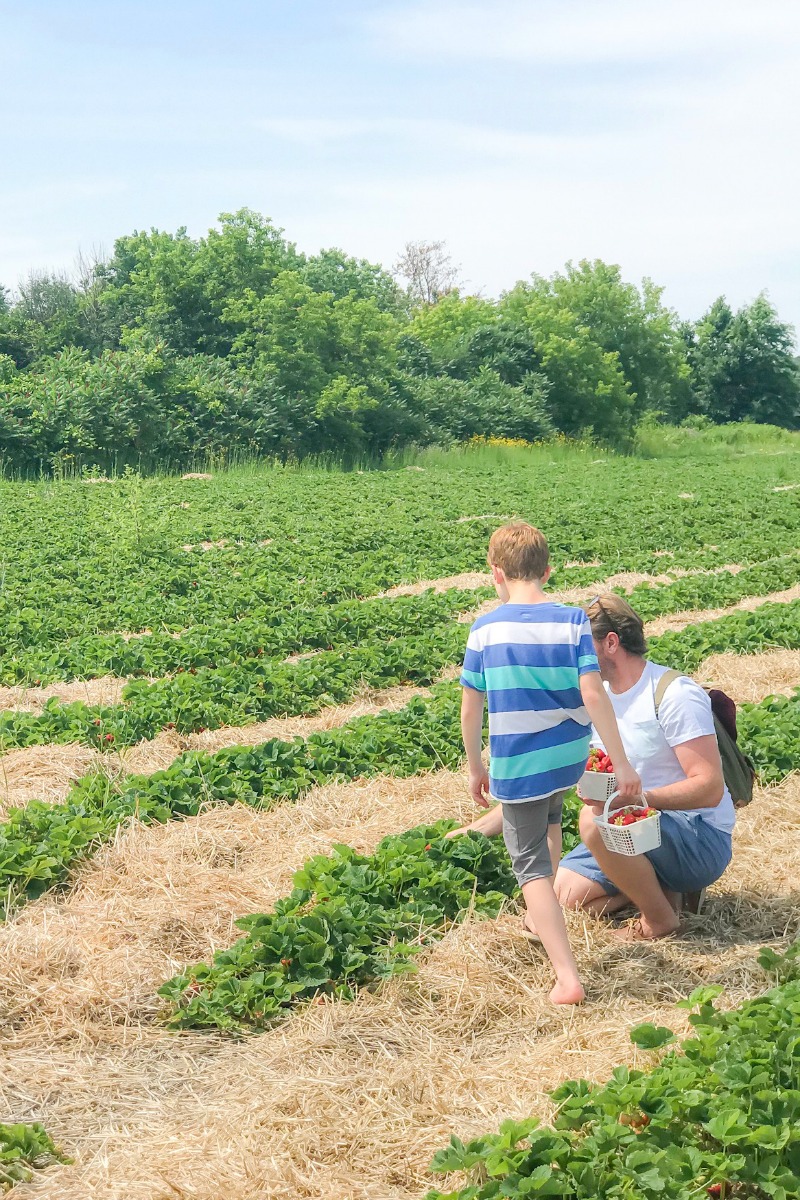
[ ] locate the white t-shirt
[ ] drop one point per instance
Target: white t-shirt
(684, 713)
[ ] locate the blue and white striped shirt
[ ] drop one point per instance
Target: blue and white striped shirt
(529, 658)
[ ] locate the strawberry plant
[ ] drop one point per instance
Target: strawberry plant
(350, 921)
(719, 1116)
(23, 1150)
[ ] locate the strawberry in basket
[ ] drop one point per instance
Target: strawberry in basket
(630, 815)
(599, 761)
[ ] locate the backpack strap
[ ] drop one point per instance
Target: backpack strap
(666, 679)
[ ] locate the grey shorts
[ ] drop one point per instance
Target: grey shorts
(525, 835)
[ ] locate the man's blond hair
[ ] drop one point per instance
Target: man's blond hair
(520, 551)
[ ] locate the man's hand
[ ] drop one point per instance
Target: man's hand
(629, 785)
(479, 787)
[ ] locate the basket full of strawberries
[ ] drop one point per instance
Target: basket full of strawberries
(598, 781)
(631, 830)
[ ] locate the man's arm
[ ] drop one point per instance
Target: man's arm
(703, 786)
(598, 706)
(472, 731)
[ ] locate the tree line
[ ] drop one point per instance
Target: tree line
(175, 349)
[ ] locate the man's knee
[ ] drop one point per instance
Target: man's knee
(590, 834)
(572, 890)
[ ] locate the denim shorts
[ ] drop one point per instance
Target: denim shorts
(692, 855)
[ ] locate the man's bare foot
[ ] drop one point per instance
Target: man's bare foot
(642, 931)
(567, 993)
(488, 823)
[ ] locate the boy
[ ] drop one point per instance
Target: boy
(535, 661)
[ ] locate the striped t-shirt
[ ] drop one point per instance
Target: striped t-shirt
(528, 658)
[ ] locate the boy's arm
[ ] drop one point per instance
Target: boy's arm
(472, 732)
(598, 706)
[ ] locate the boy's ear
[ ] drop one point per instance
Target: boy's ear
(548, 571)
(498, 574)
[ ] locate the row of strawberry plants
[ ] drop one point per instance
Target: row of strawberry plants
(23, 1150)
(719, 1117)
(350, 921)
(275, 633)
(238, 694)
(716, 591)
(40, 844)
(313, 626)
(768, 627)
(259, 688)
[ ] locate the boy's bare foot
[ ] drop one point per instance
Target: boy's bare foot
(642, 931)
(568, 993)
(529, 930)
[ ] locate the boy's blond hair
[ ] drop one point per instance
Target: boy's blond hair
(520, 551)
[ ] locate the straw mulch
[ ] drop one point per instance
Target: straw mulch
(467, 580)
(748, 678)
(43, 773)
(105, 690)
(340, 1101)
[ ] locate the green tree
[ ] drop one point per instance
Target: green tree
(335, 272)
(454, 410)
(588, 392)
(743, 366)
(178, 289)
(337, 358)
(446, 327)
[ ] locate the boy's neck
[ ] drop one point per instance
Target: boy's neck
(526, 591)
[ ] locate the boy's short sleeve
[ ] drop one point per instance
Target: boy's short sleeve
(587, 656)
(472, 675)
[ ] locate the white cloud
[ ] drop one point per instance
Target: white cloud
(581, 31)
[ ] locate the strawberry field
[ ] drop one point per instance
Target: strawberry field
(238, 955)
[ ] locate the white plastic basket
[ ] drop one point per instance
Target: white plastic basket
(629, 839)
(597, 786)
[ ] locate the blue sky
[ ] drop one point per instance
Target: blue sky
(658, 134)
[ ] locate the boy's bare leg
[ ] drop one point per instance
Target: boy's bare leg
(555, 844)
(544, 911)
(489, 823)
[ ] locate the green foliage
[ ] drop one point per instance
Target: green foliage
(23, 1150)
(265, 351)
(350, 921)
(743, 365)
(720, 1116)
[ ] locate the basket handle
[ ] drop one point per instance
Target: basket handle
(613, 796)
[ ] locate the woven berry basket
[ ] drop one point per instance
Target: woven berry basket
(629, 840)
(597, 786)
